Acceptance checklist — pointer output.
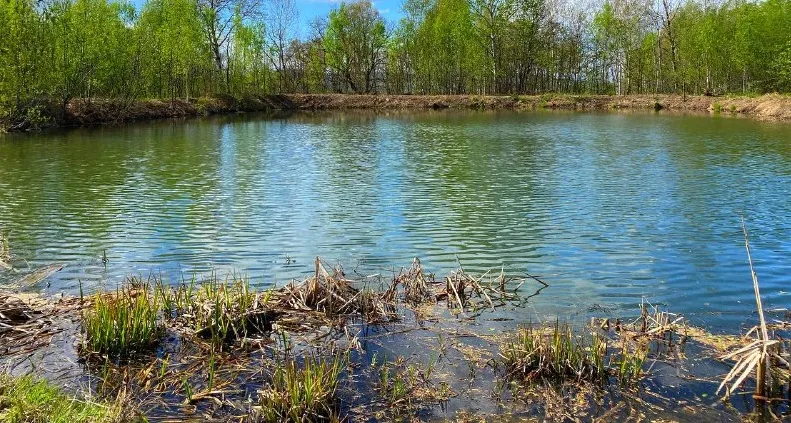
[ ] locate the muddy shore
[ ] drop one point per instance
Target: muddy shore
(412, 348)
(82, 112)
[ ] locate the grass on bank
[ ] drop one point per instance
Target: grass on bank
(303, 394)
(26, 400)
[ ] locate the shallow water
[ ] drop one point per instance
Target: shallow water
(606, 208)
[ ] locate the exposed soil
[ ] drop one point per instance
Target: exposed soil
(767, 107)
(82, 112)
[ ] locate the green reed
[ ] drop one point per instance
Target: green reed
(123, 322)
(304, 393)
(555, 355)
(220, 310)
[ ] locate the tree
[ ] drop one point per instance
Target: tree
(171, 47)
(219, 19)
(354, 43)
(283, 17)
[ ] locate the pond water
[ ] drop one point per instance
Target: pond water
(607, 208)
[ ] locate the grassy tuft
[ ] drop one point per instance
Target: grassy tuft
(401, 386)
(556, 355)
(122, 323)
(218, 310)
(303, 394)
(25, 399)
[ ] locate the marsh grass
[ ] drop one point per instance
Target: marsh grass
(402, 386)
(220, 310)
(557, 354)
(124, 322)
(305, 393)
(25, 399)
(628, 366)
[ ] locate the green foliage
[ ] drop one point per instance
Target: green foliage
(123, 322)
(354, 41)
(99, 49)
(303, 394)
(25, 400)
(782, 68)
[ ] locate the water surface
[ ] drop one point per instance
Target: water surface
(607, 208)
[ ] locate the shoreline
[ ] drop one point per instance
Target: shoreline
(415, 346)
(82, 112)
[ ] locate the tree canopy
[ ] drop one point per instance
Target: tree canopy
(65, 49)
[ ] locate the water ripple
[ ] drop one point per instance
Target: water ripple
(607, 208)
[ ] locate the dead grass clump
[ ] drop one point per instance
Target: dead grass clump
(764, 354)
(333, 295)
(467, 292)
(417, 287)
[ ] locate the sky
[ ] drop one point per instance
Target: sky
(309, 9)
(390, 10)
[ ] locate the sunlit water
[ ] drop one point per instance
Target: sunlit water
(606, 208)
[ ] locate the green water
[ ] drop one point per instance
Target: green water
(606, 208)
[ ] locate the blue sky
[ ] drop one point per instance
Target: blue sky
(309, 9)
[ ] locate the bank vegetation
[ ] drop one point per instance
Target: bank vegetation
(57, 53)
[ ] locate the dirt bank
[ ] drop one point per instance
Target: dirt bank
(44, 113)
(767, 107)
(83, 112)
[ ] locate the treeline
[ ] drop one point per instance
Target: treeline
(66, 49)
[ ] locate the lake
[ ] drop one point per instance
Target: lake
(607, 208)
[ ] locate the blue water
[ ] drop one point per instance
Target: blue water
(607, 208)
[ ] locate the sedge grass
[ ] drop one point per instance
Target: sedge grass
(556, 355)
(218, 310)
(122, 323)
(304, 393)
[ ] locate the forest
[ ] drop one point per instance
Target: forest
(68, 49)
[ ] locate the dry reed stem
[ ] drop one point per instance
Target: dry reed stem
(757, 355)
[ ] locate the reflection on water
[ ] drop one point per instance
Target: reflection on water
(608, 208)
